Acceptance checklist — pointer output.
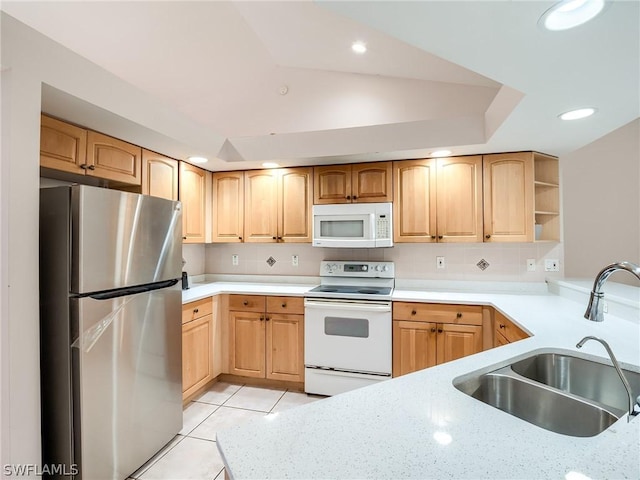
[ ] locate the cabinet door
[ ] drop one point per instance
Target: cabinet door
(113, 159)
(228, 207)
(197, 359)
(414, 346)
(261, 204)
(294, 205)
(159, 175)
(509, 330)
(193, 197)
(62, 146)
(414, 201)
(371, 182)
(460, 199)
(285, 347)
(332, 184)
(457, 341)
(508, 197)
(247, 344)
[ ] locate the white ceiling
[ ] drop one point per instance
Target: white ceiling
(473, 76)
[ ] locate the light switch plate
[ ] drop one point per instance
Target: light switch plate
(531, 264)
(234, 259)
(551, 265)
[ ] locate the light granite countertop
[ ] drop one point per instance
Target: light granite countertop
(420, 426)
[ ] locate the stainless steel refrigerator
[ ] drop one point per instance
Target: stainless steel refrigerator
(110, 330)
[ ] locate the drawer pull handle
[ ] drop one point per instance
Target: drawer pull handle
(413, 312)
(245, 303)
(195, 310)
(459, 315)
(502, 325)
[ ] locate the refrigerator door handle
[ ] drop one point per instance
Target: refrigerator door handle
(123, 292)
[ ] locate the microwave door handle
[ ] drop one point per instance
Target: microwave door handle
(373, 234)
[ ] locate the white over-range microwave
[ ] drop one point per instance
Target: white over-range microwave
(353, 225)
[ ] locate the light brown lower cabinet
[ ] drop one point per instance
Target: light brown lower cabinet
(197, 345)
(425, 335)
(506, 331)
(266, 338)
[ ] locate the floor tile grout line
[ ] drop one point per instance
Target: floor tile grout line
(161, 456)
(277, 401)
(214, 411)
(241, 387)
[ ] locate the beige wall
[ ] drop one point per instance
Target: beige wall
(507, 262)
(601, 195)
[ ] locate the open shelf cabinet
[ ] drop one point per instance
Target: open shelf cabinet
(547, 196)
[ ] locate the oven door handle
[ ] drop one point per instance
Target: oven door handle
(361, 307)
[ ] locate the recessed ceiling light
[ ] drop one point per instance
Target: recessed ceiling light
(441, 153)
(570, 13)
(577, 114)
(198, 159)
(359, 47)
(270, 165)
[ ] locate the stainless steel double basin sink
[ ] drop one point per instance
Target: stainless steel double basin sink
(555, 390)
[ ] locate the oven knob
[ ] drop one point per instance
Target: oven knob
(384, 268)
(378, 268)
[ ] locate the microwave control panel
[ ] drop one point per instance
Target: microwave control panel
(383, 227)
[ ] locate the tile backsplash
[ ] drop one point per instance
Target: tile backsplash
(506, 261)
(194, 255)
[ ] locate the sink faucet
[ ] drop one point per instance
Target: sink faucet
(614, 360)
(594, 309)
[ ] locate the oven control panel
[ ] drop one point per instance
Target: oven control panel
(357, 269)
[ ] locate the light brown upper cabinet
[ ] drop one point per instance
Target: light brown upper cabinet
(228, 207)
(193, 194)
(508, 197)
(113, 159)
(438, 200)
(278, 205)
(159, 175)
(356, 183)
(73, 149)
(520, 190)
(62, 146)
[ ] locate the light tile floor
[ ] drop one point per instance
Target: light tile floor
(193, 454)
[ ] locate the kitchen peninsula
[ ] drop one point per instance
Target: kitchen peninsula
(420, 426)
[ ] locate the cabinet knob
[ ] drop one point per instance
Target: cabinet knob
(184, 238)
(413, 312)
(433, 329)
(273, 238)
(245, 303)
(279, 238)
(91, 167)
(348, 197)
(84, 166)
(440, 237)
(355, 197)
(284, 305)
(239, 238)
(439, 330)
(261, 318)
(267, 318)
(487, 236)
(459, 315)
(501, 325)
(433, 237)
(195, 310)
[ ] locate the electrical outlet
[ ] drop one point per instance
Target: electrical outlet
(294, 260)
(439, 262)
(234, 259)
(531, 264)
(551, 265)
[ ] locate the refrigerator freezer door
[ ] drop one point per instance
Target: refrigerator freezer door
(128, 380)
(123, 239)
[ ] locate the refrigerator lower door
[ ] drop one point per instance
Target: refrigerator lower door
(127, 380)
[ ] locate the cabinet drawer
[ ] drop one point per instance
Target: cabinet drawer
(247, 303)
(438, 313)
(197, 309)
(285, 305)
(509, 330)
